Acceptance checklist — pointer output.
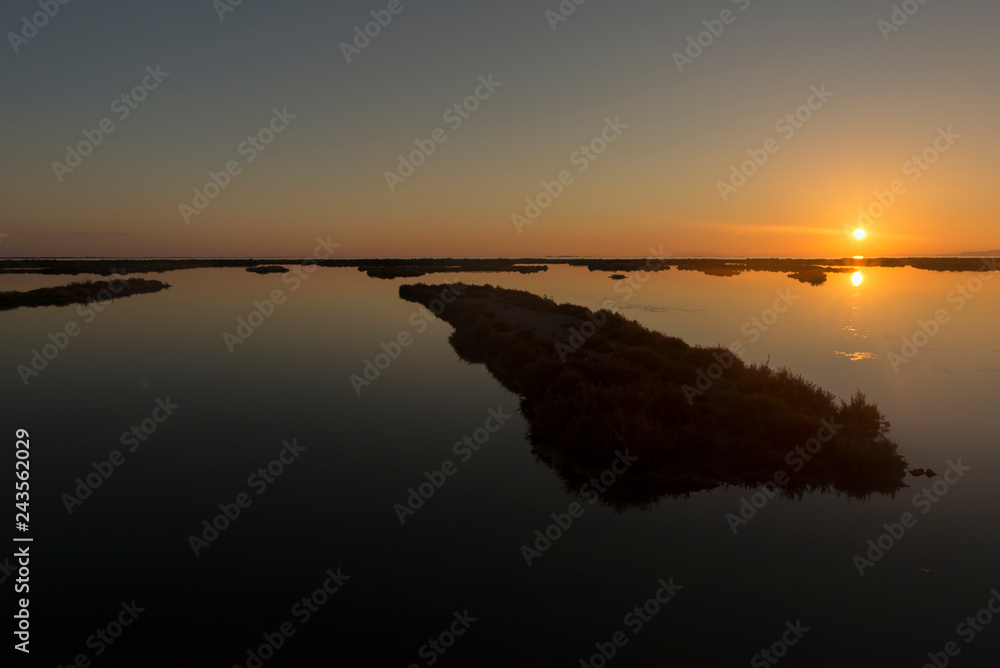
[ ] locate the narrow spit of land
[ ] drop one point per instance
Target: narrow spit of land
(79, 293)
(592, 383)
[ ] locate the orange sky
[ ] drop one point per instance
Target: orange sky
(885, 102)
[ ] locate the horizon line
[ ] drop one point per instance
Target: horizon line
(506, 258)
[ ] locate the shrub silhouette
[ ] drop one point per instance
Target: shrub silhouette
(629, 387)
(80, 292)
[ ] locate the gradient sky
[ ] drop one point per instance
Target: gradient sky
(657, 185)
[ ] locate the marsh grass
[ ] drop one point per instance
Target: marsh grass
(80, 292)
(624, 388)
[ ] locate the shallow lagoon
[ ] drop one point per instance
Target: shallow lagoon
(332, 507)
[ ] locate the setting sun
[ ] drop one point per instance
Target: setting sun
(626, 242)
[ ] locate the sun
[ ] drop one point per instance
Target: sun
(860, 234)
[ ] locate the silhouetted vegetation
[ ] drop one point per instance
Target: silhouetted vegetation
(626, 386)
(76, 266)
(79, 293)
(463, 266)
(619, 264)
(808, 270)
(724, 270)
(268, 269)
(812, 275)
(393, 272)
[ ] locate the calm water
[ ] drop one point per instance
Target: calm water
(333, 506)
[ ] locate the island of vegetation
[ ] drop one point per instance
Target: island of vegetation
(593, 383)
(423, 267)
(268, 269)
(814, 275)
(79, 293)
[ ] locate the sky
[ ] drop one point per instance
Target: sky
(601, 129)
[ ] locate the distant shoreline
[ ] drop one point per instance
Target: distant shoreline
(809, 270)
(555, 259)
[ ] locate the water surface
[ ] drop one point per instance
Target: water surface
(333, 507)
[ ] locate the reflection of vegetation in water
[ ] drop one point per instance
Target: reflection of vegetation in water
(79, 293)
(268, 269)
(811, 275)
(621, 388)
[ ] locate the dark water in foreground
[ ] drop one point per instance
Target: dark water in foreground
(332, 507)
